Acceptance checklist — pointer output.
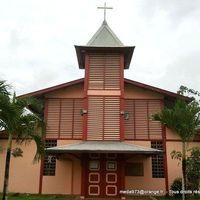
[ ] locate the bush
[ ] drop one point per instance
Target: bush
(177, 187)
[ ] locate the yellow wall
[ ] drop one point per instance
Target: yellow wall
(134, 92)
(24, 175)
(145, 182)
(67, 180)
(74, 91)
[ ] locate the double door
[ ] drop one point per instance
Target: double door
(103, 175)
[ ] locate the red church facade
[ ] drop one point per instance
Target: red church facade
(100, 138)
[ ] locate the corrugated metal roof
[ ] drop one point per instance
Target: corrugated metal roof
(105, 37)
(102, 147)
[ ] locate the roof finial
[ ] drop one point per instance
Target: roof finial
(104, 7)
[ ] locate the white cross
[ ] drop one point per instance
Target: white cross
(104, 7)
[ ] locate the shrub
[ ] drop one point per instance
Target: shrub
(177, 187)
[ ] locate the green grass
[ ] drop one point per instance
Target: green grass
(39, 197)
(172, 198)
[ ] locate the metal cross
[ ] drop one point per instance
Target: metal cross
(104, 10)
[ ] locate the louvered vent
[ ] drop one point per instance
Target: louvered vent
(140, 125)
(64, 119)
(103, 118)
(104, 72)
(53, 118)
(111, 118)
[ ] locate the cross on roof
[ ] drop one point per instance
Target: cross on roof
(104, 7)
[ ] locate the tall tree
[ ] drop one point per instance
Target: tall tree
(183, 119)
(20, 124)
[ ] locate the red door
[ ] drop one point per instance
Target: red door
(103, 175)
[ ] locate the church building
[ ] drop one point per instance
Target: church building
(101, 141)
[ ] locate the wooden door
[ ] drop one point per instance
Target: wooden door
(103, 175)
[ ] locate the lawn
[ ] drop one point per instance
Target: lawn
(39, 197)
(172, 198)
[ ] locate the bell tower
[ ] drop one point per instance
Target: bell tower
(104, 59)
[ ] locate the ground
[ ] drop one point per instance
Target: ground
(60, 197)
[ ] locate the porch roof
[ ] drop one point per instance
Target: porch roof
(103, 147)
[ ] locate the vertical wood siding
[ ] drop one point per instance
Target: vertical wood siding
(64, 119)
(139, 125)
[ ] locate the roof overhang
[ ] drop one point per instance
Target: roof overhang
(102, 147)
(127, 51)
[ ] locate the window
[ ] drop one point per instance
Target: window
(134, 169)
(49, 160)
(157, 161)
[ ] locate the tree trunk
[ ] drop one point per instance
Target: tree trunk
(7, 168)
(184, 170)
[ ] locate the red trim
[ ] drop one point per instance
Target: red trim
(158, 90)
(73, 110)
(134, 120)
(122, 129)
(51, 89)
(148, 119)
(59, 118)
(83, 176)
(42, 160)
(122, 172)
(122, 74)
(135, 83)
(86, 81)
(103, 115)
(165, 161)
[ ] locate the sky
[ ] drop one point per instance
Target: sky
(37, 39)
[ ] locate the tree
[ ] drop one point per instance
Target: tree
(184, 119)
(20, 124)
(193, 168)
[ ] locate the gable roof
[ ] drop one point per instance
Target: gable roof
(40, 93)
(105, 37)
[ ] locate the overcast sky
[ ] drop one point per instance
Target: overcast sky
(37, 39)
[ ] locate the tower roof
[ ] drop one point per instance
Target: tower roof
(105, 37)
(103, 41)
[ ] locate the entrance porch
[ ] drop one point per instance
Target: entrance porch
(103, 165)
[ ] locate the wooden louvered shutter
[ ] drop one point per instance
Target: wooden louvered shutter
(104, 72)
(112, 72)
(129, 124)
(155, 127)
(53, 118)
(66, 118)
(95, 118)
(96, 72)
(141, 119)
(111, 118)
(140, 125)
(77, 119)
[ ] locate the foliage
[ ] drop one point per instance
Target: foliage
(183, 118)
(193, 168)
(25, 127)
(17, 123)
(176, 155)
(177, 186)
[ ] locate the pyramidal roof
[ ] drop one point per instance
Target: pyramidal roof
(105, 37)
